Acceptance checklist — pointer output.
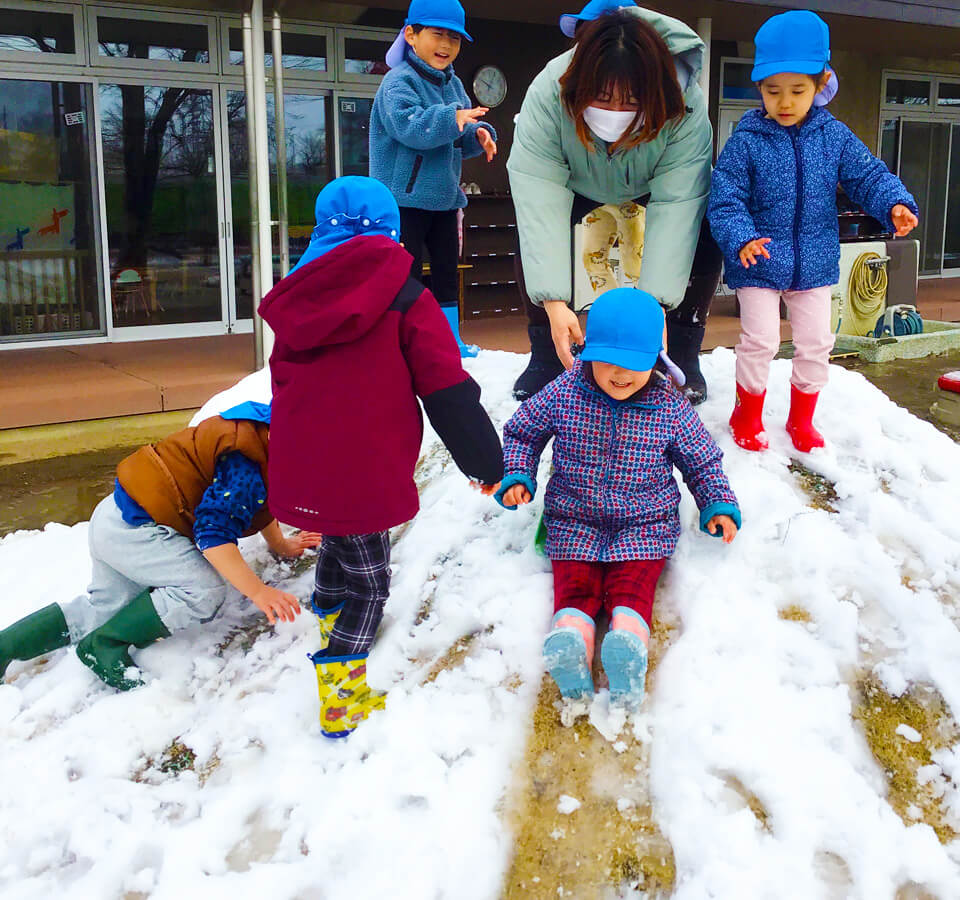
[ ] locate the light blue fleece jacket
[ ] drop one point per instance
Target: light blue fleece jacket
(416, 148)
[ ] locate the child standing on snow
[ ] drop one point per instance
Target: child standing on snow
(421, 128)
(164, 548)
(773, 212)
(357, 342)
(610, 508)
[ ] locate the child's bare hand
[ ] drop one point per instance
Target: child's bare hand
(726, 525)
(276, 604)
(904, 220)
(751, 251)
(517, 495)
(470, 116)
(294, 545)
(488, 490)
(487, 142)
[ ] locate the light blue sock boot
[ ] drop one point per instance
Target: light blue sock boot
(452, 312)
(568, 652)
(624, 656)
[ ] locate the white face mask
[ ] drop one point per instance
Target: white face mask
(608, 124)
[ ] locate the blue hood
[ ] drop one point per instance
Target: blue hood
(250, 410)
(347, 208)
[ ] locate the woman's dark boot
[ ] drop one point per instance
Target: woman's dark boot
(683, 347)
(544, 363)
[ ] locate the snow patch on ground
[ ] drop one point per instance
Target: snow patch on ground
(748, 707)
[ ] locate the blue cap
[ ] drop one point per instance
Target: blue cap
(795, 41)
(447, 14)
(348, 207)
(593, 10)
(624, 328)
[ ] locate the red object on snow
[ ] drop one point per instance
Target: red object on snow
(950, 382)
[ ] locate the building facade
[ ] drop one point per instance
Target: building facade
(124, 192)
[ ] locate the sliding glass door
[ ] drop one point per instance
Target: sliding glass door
(48, 230)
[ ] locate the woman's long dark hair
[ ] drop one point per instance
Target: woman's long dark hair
(622, 55)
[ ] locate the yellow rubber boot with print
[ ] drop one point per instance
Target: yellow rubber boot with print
(326, 619)
(346, 699)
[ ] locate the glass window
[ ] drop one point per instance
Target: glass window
(889, 144)
(355, 135)
(160, 184)
(948, 94)
(163, 41)
(737, 83)
(48, 236)
(365, 56)
(33, 31)
(951, 243)
(309, 168)
(302, 51)
(907, 92)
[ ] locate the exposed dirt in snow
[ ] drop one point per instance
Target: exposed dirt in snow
(608, 846)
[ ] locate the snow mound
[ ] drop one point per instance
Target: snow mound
(214, 777)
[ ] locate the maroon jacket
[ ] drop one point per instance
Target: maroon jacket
(357, 341)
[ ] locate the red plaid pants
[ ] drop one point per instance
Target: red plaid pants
(592, 586)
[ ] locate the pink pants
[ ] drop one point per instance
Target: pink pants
(760, 337)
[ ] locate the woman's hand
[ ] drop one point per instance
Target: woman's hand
(487, 142)
(488, 490)
(517, 495)
(726, 525)
(470, 116)
(752, 250)
(904, 220)
(275, 604)
(564, 329)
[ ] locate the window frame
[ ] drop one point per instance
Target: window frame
(154, 65)
(361, 33)
(77, 58)
(742, 103)
(304, 76)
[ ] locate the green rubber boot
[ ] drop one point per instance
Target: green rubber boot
(106, 650)
(38, 633)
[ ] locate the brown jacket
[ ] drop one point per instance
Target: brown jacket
(168, 479)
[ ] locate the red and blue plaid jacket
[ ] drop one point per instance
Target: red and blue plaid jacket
(612, 495)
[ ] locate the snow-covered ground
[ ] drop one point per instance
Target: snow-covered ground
(753, 699)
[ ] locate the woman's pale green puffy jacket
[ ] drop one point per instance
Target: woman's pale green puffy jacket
(548, 164)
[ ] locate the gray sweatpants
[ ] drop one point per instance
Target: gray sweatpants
(128, 560)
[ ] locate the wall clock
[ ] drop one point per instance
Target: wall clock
(490, 86)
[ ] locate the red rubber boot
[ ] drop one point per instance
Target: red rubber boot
(747, 420)
(800, 421)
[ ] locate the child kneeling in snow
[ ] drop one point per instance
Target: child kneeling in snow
(164, 548)
(357, 342)
(610, 508)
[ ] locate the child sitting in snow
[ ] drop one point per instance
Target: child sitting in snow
(164, 548)
(773, 212)
(610, 508)
(357, 342)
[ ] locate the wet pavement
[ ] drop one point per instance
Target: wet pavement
(60, 473)
(35, 490)
(911, 383)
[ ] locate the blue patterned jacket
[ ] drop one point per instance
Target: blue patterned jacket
(416, 148)
(781, 183)
(612, 495)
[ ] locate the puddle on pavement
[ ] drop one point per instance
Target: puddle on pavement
(64, 489)
(911, 383)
